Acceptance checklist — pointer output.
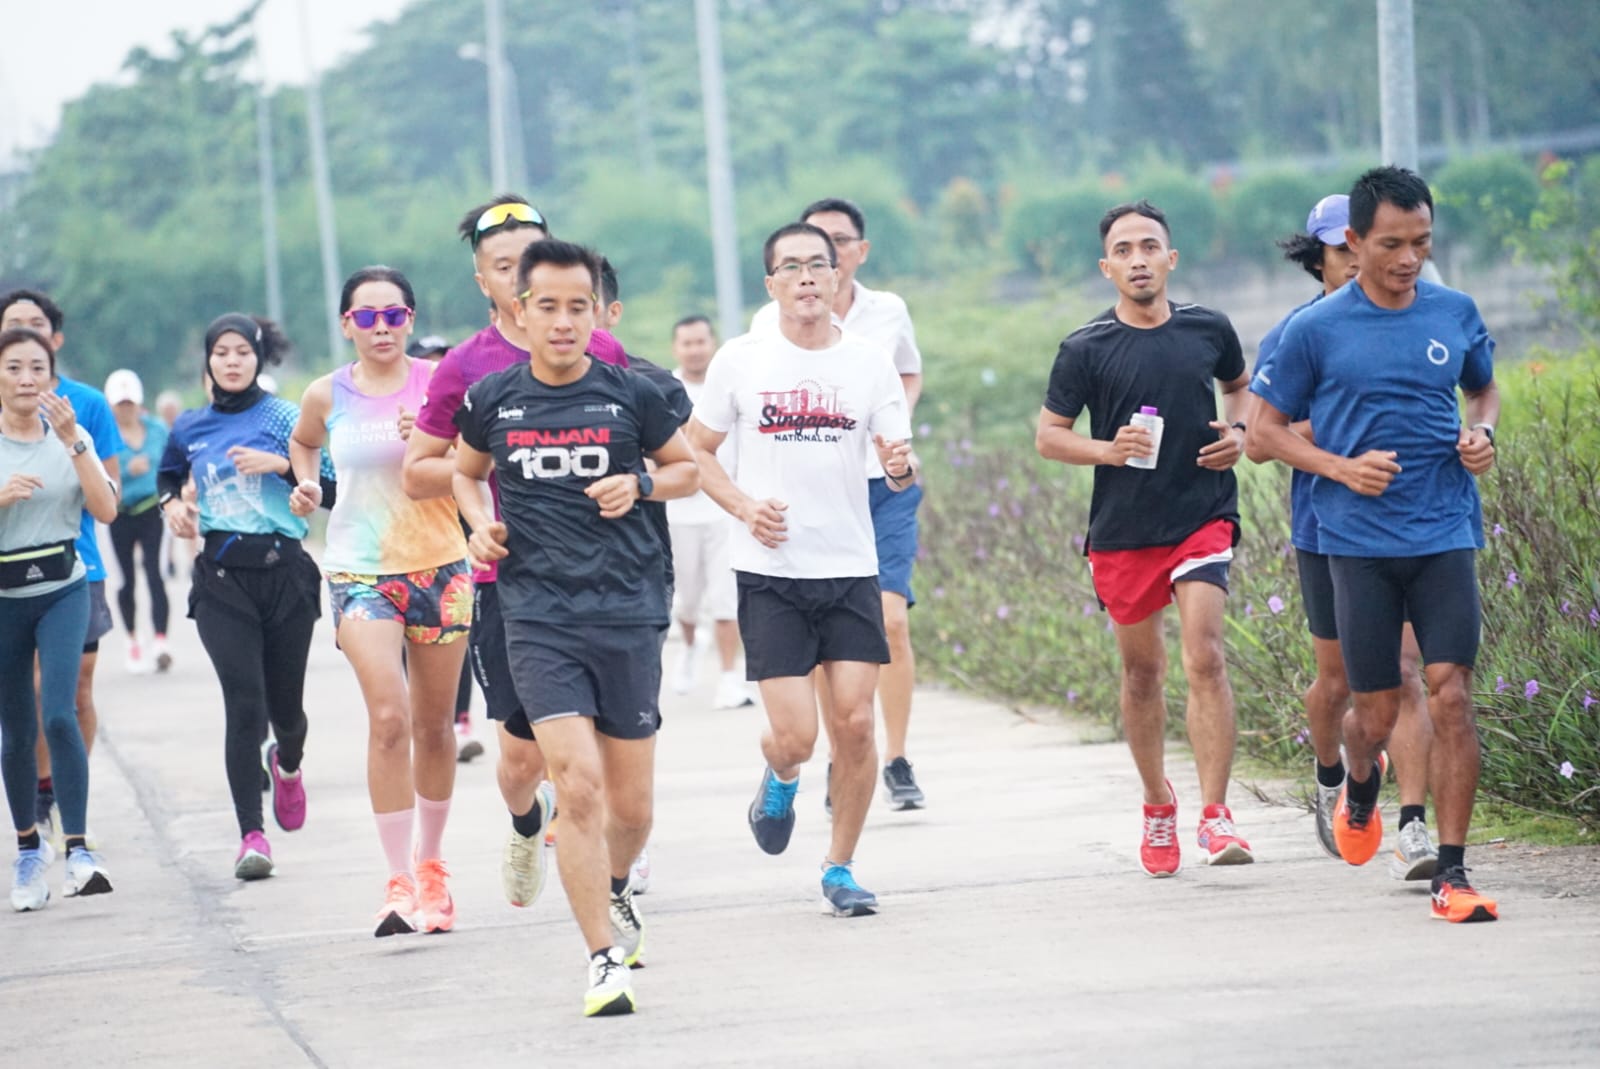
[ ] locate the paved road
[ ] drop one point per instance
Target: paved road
(1015, 927)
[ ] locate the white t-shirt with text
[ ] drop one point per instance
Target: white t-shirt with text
(803, 421)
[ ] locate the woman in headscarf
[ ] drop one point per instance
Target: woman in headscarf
(254, 596)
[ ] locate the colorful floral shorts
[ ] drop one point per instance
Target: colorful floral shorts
(435, 605)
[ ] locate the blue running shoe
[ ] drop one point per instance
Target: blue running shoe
(29, 889)
(772, 813)
(844, 895)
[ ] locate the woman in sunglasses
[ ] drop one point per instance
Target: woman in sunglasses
(254, 596)
(399, 587)
(49, 473)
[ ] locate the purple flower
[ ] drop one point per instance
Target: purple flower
(958, 649)
(1500, 685)
(1016, 510)
(1594, 617)
(1566, 607)
(938, 591)
(1566, 769)
(1033, 488)
(1109, 625)
(1498, 531)
(994, 509)
(1588, 699)
(1275, 603)
(1000, 487)
(1531, 689)
(1249, 610)
(923, 430)
(1512, 579)
(1302, 736)
(981, 554)
(1088, 608)
(1077, 540)
(1072, 696)
(1002, 612)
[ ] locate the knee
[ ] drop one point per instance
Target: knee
(1451, 706)
(1205, 664)
(853, 728)
(579, 797)
(1330, 688)
(1144, 677)
(389, 727)
(631, 810)
(521, 762)
(897, 628)
(795, 742)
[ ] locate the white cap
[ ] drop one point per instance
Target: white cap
(124, 385)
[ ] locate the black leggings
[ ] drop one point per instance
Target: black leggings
(144, 531)
(256, 626)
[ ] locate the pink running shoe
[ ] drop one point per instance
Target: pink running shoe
(288, 793)
(1158, 850)
(255, 858)
(437, 907)
(1220, 839)
(398, 915)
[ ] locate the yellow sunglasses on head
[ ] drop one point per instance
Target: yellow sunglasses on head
(504, 214)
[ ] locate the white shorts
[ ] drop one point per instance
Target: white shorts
(703, 576)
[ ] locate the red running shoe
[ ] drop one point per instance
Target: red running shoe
(1220, 839)
(1158, 850)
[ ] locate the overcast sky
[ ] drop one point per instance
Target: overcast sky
(60, 49)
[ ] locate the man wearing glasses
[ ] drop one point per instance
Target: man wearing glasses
(879, 316)
(807, 404)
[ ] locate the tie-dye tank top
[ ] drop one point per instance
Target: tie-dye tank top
(375, 529)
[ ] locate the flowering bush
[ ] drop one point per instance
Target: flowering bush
(1006, 606)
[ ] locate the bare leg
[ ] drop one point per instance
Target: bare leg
(1412, 740)
(434, 678)
(519, 771)
(855, 758)
(630, 768)
(897, 679)
(1454, 758)
(1144, 705)
(373, 650)
(1326, 700)
(1212, 732)
(727, 633)
(571, 747)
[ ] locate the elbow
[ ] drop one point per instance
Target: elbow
(105, 512)
(410, 483)
(1255, 448)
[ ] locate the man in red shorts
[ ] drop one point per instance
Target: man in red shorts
(1164, 533)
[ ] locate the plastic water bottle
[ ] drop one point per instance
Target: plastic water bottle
(1149, 418)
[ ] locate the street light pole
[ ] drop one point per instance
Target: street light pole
(266, 174)
(323, 186)
(1397, 80)
(719, 172)
(494, 58)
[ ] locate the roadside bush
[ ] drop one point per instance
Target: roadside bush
(1056, 233)
(1483, 200)
(1260, 210)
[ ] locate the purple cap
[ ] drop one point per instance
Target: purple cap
(1329, 218)
(1148, 410)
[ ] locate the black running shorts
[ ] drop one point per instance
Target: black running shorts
(1374, 596)
(790, 626)
(611, 675)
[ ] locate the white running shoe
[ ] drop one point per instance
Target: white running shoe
(86, 875)
(159, 653)
(524, 863)
(1414, 856)
(135, 662)
(610, 985)
(732, 692)
(627, 928)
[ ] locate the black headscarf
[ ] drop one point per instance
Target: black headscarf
(248, 329)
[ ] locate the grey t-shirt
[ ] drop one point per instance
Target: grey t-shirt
(53, 512)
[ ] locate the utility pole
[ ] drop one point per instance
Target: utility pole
(719, 172)
(1397, 80)
(323, 187)
(493, 62)
(1397, 85)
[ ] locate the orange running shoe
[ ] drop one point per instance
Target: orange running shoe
(1358, 829)
(1158, 849)
(399, 912)
(437, 907)
(550, 831)
(1455, 901)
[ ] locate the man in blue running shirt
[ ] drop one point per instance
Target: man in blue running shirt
(1377, 366)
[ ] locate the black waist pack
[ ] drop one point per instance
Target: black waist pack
(48, 563)
(232, 549)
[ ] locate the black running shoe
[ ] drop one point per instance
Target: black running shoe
(902, 785)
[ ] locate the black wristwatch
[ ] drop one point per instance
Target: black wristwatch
(647, 485)
(1486, 428)
(1239, 423)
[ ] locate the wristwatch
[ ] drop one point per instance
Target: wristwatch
(161, 502)
(79, 447)
(1486, 428)
(1239, 424)
(647, 485)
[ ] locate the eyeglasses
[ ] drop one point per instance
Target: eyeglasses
(367, 318)
(841, 240)
(792, 268)
(501, 214)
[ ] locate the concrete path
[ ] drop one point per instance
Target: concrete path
(1015, 928)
